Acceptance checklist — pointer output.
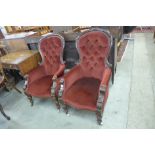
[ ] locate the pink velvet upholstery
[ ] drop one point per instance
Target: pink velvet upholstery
(82, 83)
(40, 79)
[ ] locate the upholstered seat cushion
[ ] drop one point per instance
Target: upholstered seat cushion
(36, 74)
(39, 84)
(40, 87)
(83, 94)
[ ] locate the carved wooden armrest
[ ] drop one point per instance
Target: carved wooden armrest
(53, 87)
(60, 91)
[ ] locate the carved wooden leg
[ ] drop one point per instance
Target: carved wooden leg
(66, 107)
(53, 95)
(30, 99)
(99, 117)
(28, 95)
(3, 113)
(57, 103)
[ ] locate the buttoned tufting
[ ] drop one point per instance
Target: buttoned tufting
(93, 48)
(51, 49)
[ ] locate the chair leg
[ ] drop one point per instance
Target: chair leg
(57, 103)
(3, 113)
(66, 107)
(99, 117)
(29, 98)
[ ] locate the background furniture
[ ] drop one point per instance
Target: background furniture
(71, 56)
(40, 81)
(86, 86)
(2, 80)
(17, 29)
(1, 34)
(3, 113)
(16, 42)
(24, 61)
(2, 83)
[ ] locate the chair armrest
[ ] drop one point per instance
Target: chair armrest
(103, 90)
(68, 79)
(106, 77)
(60, 70)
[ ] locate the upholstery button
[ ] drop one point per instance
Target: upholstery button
(92, 58)
(83, 47)
(91, 47)
(95, 64)
(87, 53)
(100, 47)
(84, 58)
(91, 68)
(96, 53)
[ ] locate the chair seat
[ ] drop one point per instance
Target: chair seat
(83, 94)
(40, 87)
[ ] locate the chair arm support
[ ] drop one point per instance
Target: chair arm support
(106, 77)
(59, 90)
(100, 99)
(55, 83)
(53, 88)
(103, 88)
(60, 70)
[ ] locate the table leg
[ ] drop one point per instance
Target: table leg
(3, 113)
(14, 87)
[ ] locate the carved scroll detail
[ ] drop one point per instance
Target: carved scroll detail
(100, 103)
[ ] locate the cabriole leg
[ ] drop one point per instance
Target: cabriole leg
(53, 88)
(28, 96)
(57, 103)
(3, 113)
(66, 107)
(99, 116)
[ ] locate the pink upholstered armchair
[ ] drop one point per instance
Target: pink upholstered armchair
(40, 80)
(86, 86)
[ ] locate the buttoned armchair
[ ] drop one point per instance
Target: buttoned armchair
(86, 86)
(40, 81)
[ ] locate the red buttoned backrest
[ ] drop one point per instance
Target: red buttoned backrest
(51, 48)
(93, 47)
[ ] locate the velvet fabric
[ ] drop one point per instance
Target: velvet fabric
(82, 83)
(40, 79)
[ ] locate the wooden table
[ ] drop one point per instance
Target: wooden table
(24, 61)
(16, 42)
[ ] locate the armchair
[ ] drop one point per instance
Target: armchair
(41, 81)
(86, 86)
